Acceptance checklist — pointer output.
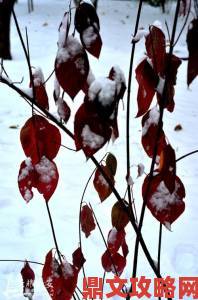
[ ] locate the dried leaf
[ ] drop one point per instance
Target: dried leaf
(101, 185)
(111, 163)
(119, 216)
(192, 37)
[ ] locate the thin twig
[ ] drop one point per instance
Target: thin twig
(21, 260)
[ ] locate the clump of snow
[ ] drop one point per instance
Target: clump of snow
(67, 269)
(63, 30)
(101, 180)
(56, 89)
(27, 194)
(162, 197)
(112, 235)
(104, 89)
(26, 171)
(140, 34)
(160, 86)
(152, 120)
(158, 24)
(141, 169)
(119, 78)
(46, 169)
(91, 139)
(130, 181)
(38, 76)
(89, 36)
(87, 1)
(71, 49)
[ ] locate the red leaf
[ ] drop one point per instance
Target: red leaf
(85, 16)
(40, 138)
(26, 179)
(192, 37)
(125, 249)
(90, 132)
(78, 258)
(149, 132)
(147, 80)
(115, 239)
(46, 177)
(64, 110)
(167, 167)
(28, 280)
(166, 207)
(87, 220)
(91, 40)
(40, 91)
(72, 67)
(101, 185)
(119, 217)
(156, 48)
(43, 176)
(113, 262)
(59, 280)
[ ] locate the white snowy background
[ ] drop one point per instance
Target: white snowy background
(24, 229)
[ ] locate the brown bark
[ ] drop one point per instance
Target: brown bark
(5, 17)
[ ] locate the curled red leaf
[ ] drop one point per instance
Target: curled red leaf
(149, 132)
(156, 48)
(192, 37)
(91, 40)
(28, 277)
(87, 220)
(78, 258)
(147, 80)
(115, 239)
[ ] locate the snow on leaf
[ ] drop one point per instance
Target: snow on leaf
(91, 40)
(149, 132)
(59, 280)
(192, 37)
(40, 138)
(115, 239)
(119, 216)
(64, 110)
(47, 177)
(156, 48)
(166, 207)
(28, 277)
(86, 16)
(71, 66)
(87, 220)
(147, 80)
(167, 167)
(101, 185)
(117, 75)
(90, 131)
(39, 87)
(26, 180)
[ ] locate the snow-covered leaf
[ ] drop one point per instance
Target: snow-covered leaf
(71, 66)
(28, 277)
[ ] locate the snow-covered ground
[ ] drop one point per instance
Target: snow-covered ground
(24, 229)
